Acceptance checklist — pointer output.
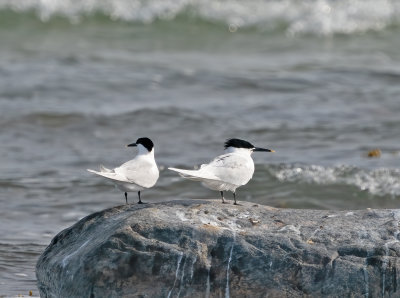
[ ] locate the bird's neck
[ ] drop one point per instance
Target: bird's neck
(143, 152)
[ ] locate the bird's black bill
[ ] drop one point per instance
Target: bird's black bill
(131, 145)
(263, 150)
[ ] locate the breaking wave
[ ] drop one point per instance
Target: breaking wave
(321, 17)
(381, 181)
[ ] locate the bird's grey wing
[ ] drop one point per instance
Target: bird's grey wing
(195, 175)
(229, 160)
(110, 175)
(139, 171)
(231, 168)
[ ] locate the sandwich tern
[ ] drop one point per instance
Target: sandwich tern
(136, 174)
(228, 171)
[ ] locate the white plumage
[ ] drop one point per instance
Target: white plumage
(134, 175)
(228, 171)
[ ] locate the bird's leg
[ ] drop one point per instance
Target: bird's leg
(222, 197)
(140, 201)
(126, 197)
(234, 197)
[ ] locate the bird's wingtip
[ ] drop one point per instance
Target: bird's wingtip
(176, 169)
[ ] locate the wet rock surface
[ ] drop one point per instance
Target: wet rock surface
(208, 249)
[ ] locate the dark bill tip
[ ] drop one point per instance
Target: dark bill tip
(132, 145)
(263, 150)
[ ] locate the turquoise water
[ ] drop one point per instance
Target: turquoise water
(318, 81)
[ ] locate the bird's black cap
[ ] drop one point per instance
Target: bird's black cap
(145, 142)
(238, 143)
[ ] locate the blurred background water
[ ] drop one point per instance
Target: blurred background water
(316, 80)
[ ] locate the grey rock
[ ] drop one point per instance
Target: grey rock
(207, 249)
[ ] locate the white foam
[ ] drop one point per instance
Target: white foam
(380, 181)
(321, 17)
